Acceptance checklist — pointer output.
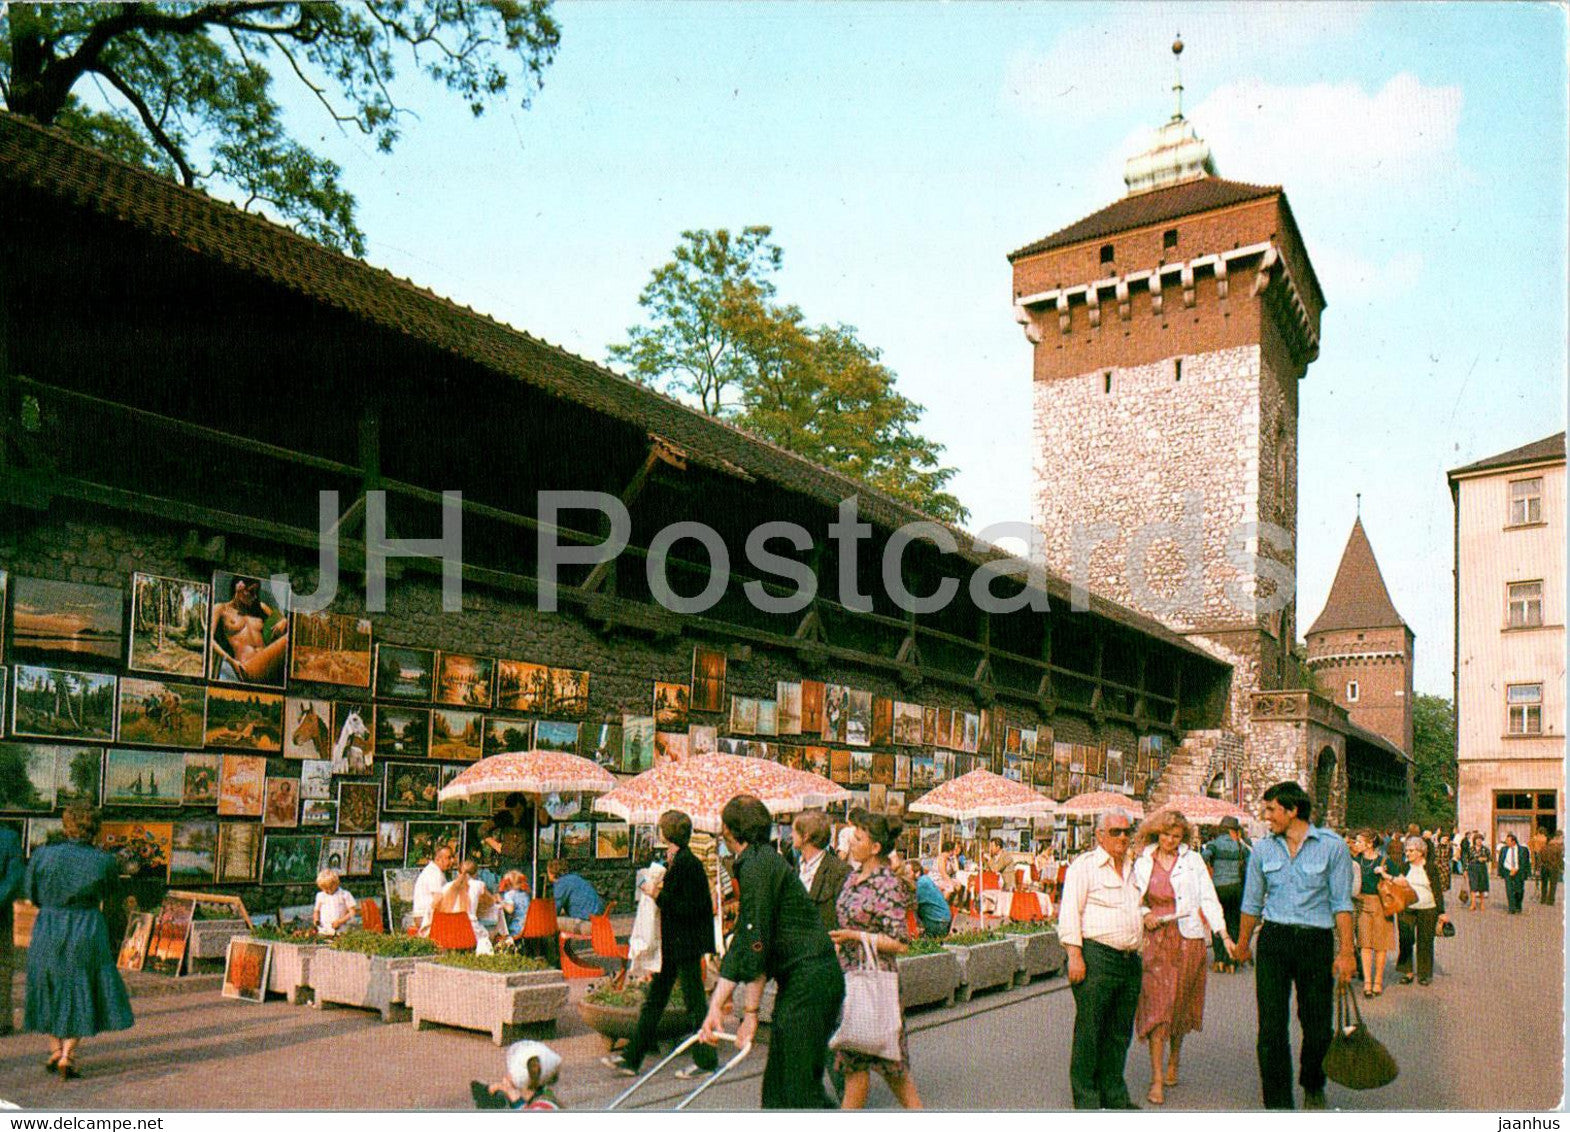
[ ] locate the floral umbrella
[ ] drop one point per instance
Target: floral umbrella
(1099, 802)
(701, 786)
(1206, 811)
(982, 794)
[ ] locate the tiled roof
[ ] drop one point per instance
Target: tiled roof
(1152, 207)
(1549, 448)
(1358, 598)
(47, 162)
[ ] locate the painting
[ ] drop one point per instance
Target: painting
(860, 768)
(1096, 760)
(331, 648)
(555, 735)
(316, 779)
(79, 774)
(882, 721)
(792, 757)
(398, 885)
(836, 703)
(637, 743)
(238, 845)
(670, 747)
(170, 934)
(307, 728)
(811, 707)
(362, 857)
(242, 786)
(143, 778)
(521, 686)
(945, 727)
(708, 680)
(53, 622)
(290, 858)
(248, 638)
(402, 732)
(138, 935)
(569, 692)
(334, 854)
(152, 713)
(169, 619)
(858, 718)
(877, 798)
(883, 768)
(907, 724)
(246, 967)
(357, 806)
(478, 806)
(606, 743)
(575, 838)
(970, 738)
(612, 841)
(816, 760)
(743, 715)
(319, 812)
(353, 744)
(405, 673)
(985, 732)
(464, 680)
(923, 772)
(389, 840)
(1114, 767)
(902, 772)
(1044, 771)
(199, 780)
(411, 788)
(244, 719)
(929, 726)
(43, 831)
(768, 717)
(459, 735)
(896, 803)
(193, 852)
(671, 705)
(51, 703)
(1011, 769)
(943, 765)
(702, 739)
(425, 837)
(503, 734)
(839, 766)
(1060, 783)
(282, 808)
(143, 848)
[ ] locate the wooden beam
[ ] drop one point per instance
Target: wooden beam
(607, 569)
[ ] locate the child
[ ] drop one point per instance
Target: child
(532, 1062)
(334, 905)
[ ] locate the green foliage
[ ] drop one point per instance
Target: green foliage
(925, 945)
(630, 997)
(189, 84)
(272, 933)
(715, 335)
(503, 964)
(1434, 756)
(1034, 928)
(970, 938)
(388, 946)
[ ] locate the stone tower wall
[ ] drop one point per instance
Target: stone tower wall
(1380, 661)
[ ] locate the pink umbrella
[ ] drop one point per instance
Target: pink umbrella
(1099, 802)
(982, 794)
(700, 787)
(1205, 811)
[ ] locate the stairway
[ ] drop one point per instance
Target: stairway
(1188, 771)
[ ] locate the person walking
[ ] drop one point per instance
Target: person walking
(822, 873)
(1181, 909)
(1226, 856)
(1376, 935)
(1100, 927)
(686, 913)
(1515, 865)
(1549, 869)
(1420, 921)
(1479, 857)
(1300, 883)
(779, 935)
(10, 884)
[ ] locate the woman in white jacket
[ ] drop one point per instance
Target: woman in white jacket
(1179, 903)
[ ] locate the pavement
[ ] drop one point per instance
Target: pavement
(1498, 987)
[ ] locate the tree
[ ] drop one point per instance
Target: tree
(1434, 756)
(188, 84)
(715, 335)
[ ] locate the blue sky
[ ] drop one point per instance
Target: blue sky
(900, 151)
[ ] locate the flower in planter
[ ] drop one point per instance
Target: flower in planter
(385, 946)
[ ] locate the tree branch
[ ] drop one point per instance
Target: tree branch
(165, 142)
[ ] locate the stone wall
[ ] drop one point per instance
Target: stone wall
(1380, 661)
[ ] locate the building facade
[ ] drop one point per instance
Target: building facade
(1510, 640)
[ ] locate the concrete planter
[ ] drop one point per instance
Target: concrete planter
(618, 1022)
(210, 938)
(984, 965)
(1040, 953)
(372, 982)
(496, 1002)
(925, 979)
(289, 971)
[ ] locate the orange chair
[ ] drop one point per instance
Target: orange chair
(451, 931)
(371, 915)
(539, 922)
(912, 924)
(602, 938)
(1025, 908)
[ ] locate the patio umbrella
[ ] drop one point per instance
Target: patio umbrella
(1203, 810)
(1099, 802)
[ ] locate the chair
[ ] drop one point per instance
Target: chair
(371, 915)
(602, 938)
(1025, 908)
(451, 931)
(912, 924)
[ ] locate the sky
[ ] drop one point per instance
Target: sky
(901, 150)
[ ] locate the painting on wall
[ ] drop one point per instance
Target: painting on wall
(40, 832)
(787, 699)
(362, 857)
(316, 779)
(411, 787)
(883, 768)
(816, 760)
(1115, 768)
(768, 717)
(670, 747)
(152, 713)
(143, 778)
(238, 851)
(425, 837)
(402, 732)
(503, 735)
(319, 812)
(836, 705)
(702, 740)
(569, 692)
(331, 648)
(168, 625)
(242, 789)
(307, 728)
(244, 719)
(929, 726)
(839, 766)
(282, 808)
(812, 707)
(248, 635)
(970, 738)
(54, 622)
(52, 703)
(79, 775)
(945, 737)
(142, 848)
(464, 680)
(335, 854)
(671, 704)
(357, 806)
(743, 715)
(389, 840)
(612, 840)
(882, 721)
(860, 768)
(290, 858)
(522, 686)
(556, 735)
(708, 680)
(902, 772)
(637, 743)
(405, 673)
(907, 724)
(354, 746)
(458, 735)
(27, 778)
(858, 718)
(479, 806)
(193, 852)
(576, 838)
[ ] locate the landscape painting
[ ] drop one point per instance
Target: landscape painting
(708, 680)
(193, 855)
(907, 724)
(242, 786)
(281, 809)
(201, 780)
(319, 811)
(463, 680)
(316, 779)
(362, 857)
(168, 625)
(357, 806)
(248, 638)
(290, 858)
(503, 735)
(670, 705)
(411, 787)
(787, 697)
(27, 778)
(858, 718)
(144, 778)
(389, 840)
(555, 735)
(43, 831)
(612, 840)
(238, 845)
(405, 673)
(245, 719)
(153, 713)
(54, 622)
(525, 687)
(576, 838)
(51, 703)
(307, 728)
(79, 775)
(456, 734)
(425, 837)
(331, 648)
(402, 732)
(637, 743)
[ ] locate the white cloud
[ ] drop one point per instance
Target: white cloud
(1349, 277)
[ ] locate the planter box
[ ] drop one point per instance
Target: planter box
(983, 965)
(210, 938)
(925, 979)
(289, 972)
(1040, 953)
(371, 982)
(493, 1001)
(618, 1022)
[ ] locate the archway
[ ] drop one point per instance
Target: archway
(1324, 782)
(1217, 787)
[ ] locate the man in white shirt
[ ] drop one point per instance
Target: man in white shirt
(429, 885)
(1100, 927)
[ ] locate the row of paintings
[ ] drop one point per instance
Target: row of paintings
(842, 714)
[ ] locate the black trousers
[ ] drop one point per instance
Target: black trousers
(806, 1011)
(1231, 897)
(690, 975)
(1417, 927)
(1515, 892)
(1291, 958)
(1548, 886)
(1103, 1026)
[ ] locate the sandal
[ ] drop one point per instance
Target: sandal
(54, 1060)
(1155, 1097)
(67, 1069)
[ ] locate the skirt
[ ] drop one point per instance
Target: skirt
(1172, 982)
(73, 989)
(1477, 876)
(1375, 931)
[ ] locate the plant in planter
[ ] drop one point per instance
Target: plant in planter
(613, 1011)
(1040, 953)
(369, 970)
(928, 972)
(986, 959)
(496, 994)
(289, 973)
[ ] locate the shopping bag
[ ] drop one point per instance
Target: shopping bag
(1447, 929)
(1396, 896)
(870, 1021)
(1356, 1058)
(1464, 896)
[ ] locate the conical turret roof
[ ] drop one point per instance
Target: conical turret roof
(1358, 597)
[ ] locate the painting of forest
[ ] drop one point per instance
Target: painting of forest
(168, 625)
(27, 778)
(78, 775)
(331, 648)
(51, 703)
(194, 853)
(245, 719)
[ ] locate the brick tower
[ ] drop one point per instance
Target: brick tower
(1360, 649)
(1170, 330)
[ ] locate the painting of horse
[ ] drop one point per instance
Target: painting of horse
(157, 714)
(307, 729)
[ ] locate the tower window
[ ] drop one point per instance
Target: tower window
(1169, 238)
(1106, 380)
(1177, 369)
(1106, 253)
(1351, 691)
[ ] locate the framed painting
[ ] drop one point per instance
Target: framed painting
(701, 739)
(839, 766)
(637, 743)
(743, 715)
(402, 732)
(390, 838)
(707, 691)
(246, 966)
(503, 734)
(357, 806)
(398, 885)
(575, 839)
(244, 719)
(316, 779)
(1011, 768)
(816, 760)
(248, 633)
(307, 728)
(330, 648)
(923, 771)
(669, 747)
(152, 713)
(895, 803)
(53, 703)
(143, 848)
(424, 837)
(143, 778)
(335, 854)
(43, 831)
(602, 743)
(612, 841)
(562, 807)
(193, 852)
(860, 768)
(138, 936)
(465, 680)
(883, 768)
(238, 850)
(1114, 767)
(317, 812)
(970, 737)
(170, 935)
(457, 734)
(569, 692)
(522, 686)
(907, 724)
(1029, 740)
(199, 782)
(354, 746)
(768, 718)
(282, 807)
(902, 772)
(787, 705)
(79, 775)
(410, 788)
(836, 706)
(671, 704)
(811, 707)
(169, 619)
(242, 786)
(882, 721)
(405, 673)
(877, 797)
(945, 727)
(985, 732)
(290, 858)
(480, 806)
(858, 718)
(362, 857)
(792, 757)
(555, 735)
(66, 622)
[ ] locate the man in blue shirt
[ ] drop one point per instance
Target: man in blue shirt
(1226, 855)
(576, 899)
(931, 909)
(1300, 881)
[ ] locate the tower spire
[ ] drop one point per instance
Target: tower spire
(1176, 153)
(1177, 73)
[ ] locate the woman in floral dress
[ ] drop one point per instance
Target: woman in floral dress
(873, 905)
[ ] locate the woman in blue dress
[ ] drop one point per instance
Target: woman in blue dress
(73, 989)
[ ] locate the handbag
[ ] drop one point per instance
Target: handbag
(1447, 929)
(1464, 896)
(1396, 896)
(870, 1022)
(1356, 1058)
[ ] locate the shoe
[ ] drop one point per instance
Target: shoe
(1313, 1100)
(1424, 982)
(484, 1098)
(67, 1070)
(54, 1060)
(692, 1072)
(1407, 980)
(1368, 992)
(611, 1061)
